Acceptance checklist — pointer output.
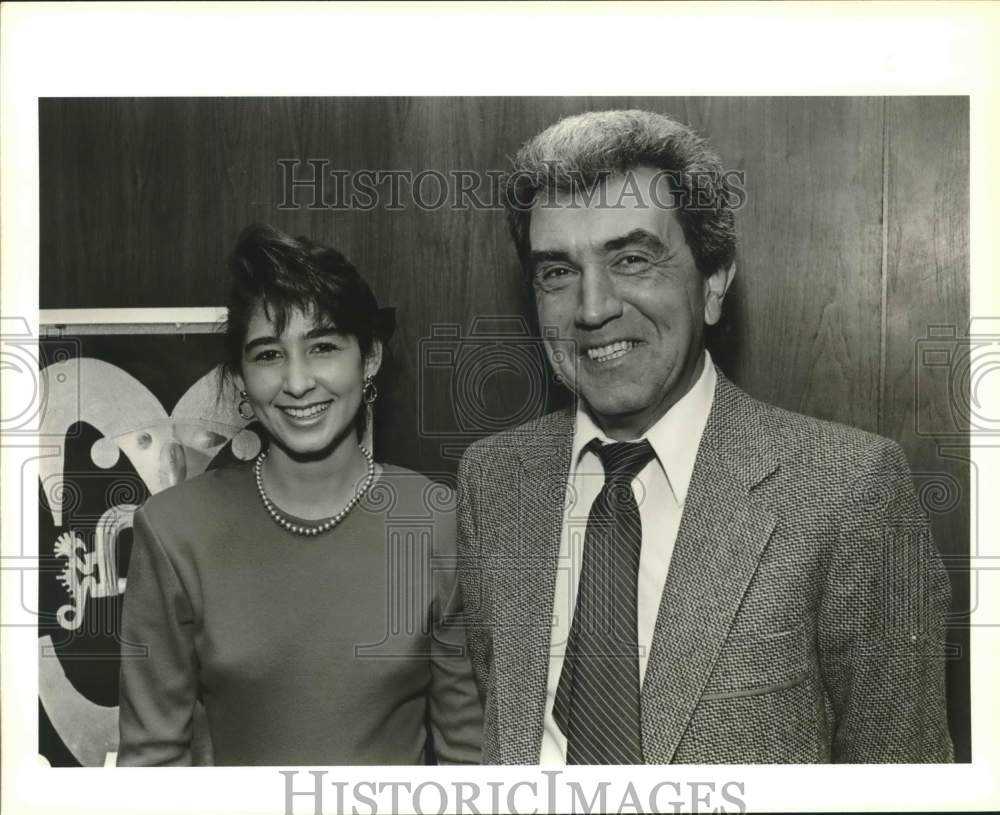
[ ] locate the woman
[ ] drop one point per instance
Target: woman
(302, 598)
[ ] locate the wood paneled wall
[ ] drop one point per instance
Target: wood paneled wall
(854, 244)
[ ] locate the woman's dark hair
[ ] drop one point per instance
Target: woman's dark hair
(286, 274)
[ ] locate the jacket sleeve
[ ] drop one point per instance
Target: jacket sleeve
(158, 689)
(456, 714)
(472, 574)
(881, 626)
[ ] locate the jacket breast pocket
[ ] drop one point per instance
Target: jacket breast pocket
(758, 664)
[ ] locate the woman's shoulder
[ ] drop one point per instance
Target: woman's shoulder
(212, 490)
(411, 492)
(408, 498)
(405, 478)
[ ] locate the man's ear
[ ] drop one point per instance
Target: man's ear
(716, 286)
(373, 361)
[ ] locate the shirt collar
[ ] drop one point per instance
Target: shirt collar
(675, 436)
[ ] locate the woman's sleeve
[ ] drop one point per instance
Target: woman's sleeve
(159, 687)
(456, 713)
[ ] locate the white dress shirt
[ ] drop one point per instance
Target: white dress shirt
(660, 490)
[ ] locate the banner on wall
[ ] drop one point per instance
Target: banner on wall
(137, 413)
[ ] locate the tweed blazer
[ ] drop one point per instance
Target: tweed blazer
(802, 618)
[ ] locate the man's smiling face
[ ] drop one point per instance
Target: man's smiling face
(616, 279)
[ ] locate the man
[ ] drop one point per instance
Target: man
(674, 571)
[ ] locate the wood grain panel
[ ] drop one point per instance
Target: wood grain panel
(927, 309)
(810, 257)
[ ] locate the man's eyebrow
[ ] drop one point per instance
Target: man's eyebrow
(548, 255)
(637, 237)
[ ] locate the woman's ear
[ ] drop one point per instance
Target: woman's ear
(373, 361)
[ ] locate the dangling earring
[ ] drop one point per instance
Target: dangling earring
(244, 406)
(369, 392)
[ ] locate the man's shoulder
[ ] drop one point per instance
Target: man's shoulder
(547, 431)
(826, 436)
(545, 438)
(813, 442)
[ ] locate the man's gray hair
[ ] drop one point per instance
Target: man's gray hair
(578, 152)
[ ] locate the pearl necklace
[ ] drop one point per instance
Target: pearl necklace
(329, 523)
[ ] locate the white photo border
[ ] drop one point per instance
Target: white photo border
(201, 49)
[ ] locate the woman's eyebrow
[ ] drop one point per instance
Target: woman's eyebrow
(321, 331)
(311, 334)
(258, 341)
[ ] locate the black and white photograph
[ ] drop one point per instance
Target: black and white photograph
(410, 449)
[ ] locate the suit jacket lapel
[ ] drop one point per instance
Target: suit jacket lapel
(530, 583)
(721, 538)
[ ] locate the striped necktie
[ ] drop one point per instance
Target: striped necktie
(597, 701)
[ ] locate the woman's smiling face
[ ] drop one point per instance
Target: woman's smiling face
(305, 385)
